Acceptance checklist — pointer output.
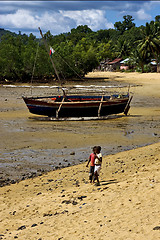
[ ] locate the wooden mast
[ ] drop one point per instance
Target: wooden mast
(47, 49)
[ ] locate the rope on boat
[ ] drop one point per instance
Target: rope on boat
(47, 49)
(69, 66)
(34, 67)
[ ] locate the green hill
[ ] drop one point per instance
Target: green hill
(4, 32)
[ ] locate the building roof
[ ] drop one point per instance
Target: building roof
(117, 60)
(124, 61)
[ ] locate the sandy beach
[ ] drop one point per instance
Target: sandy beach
(62, 204)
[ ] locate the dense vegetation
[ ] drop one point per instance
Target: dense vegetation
(79, 51)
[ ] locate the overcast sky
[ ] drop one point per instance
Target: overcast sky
(62, 16)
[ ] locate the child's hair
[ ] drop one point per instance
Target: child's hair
(94, 148)
(98, 148)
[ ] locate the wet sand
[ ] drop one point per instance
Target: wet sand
(31, 147)
(62, 204)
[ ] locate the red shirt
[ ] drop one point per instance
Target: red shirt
(92, 158)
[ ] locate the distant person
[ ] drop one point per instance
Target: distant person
(92, 160)
(98, 163)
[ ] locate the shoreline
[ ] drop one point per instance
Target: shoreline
(62, 204)
(30, 147)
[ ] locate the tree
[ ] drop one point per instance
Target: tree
(136, 59)
(78, 33)
(149, 45)
(127, 24)
(104, 51)
(157, 18)
(123, 48)
(11, 63)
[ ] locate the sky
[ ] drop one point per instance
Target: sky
(61, 16)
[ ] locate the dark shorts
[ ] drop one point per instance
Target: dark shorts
(91, 171)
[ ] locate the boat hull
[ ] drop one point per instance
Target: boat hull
(86, 107)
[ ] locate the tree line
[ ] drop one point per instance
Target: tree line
(79, 51)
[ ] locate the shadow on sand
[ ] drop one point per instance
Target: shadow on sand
(104, 183)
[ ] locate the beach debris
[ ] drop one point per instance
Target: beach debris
(39, 193)
(156, 228)
(81, 197)
(155, 134)
(22, 227)
(65, 211)
(50, 180)
(70, 201)
(74, 203)
(67, 201)
(128, 132)
(34, 225)
(47, 214)
(72, 153)
(77, 183)
(13, 213)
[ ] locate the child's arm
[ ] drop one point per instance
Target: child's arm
(89, 159)
(99, 158)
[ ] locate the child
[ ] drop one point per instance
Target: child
(98, 162)
(91, 159)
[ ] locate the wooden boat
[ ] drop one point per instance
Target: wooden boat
(77, 106)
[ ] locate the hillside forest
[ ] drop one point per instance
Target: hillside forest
(79, 51)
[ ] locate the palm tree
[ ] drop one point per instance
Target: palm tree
(149, 46)
(136, 59)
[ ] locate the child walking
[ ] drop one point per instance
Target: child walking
(91, 159)
(98, 163)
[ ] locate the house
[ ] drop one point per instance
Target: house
(115, 64)
(124, 64)
(103, 65)
(153, 65)
(107, 65)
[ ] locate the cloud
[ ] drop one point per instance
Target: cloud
(73, 5)
(62, 16)
(56, 22)
(142, 15)
(95, 19)
(26, 20)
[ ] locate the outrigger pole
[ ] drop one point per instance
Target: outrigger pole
(47, 49)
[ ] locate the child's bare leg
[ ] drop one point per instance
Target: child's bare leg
(90, 178)
(96, 177)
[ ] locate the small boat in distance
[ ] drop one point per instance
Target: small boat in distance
(77, 106)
